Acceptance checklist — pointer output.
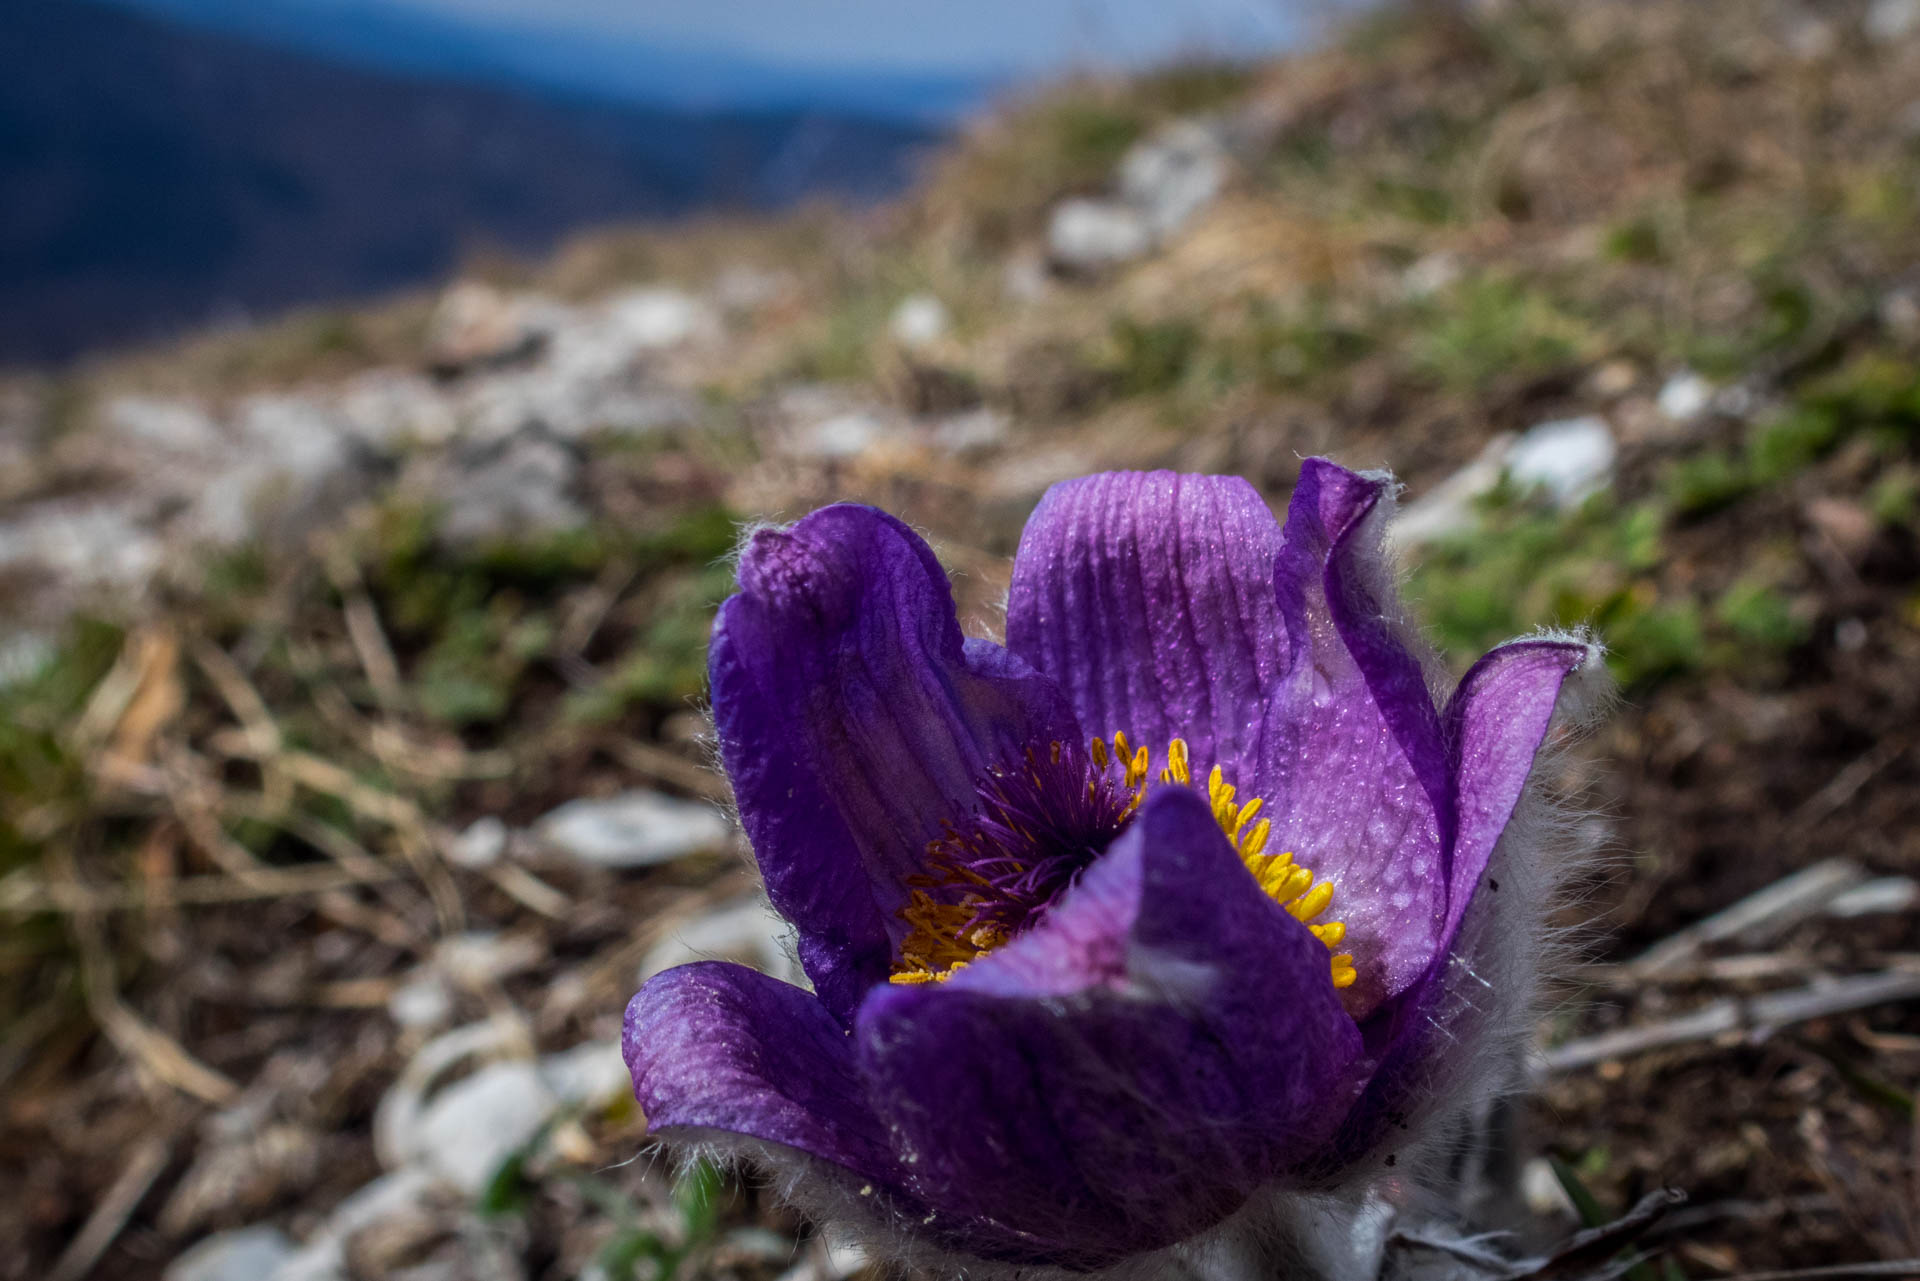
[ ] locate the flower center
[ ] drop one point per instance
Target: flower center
(1039, 824)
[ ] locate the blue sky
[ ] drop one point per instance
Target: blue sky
(966, 36)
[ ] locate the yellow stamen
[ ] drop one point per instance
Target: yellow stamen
(939, 942)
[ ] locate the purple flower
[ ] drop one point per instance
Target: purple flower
(1189, 896)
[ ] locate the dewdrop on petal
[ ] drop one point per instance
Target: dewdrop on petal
(1144, 942)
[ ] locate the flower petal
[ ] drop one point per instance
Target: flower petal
(1148, 596)
(1350, 757)
(1496, 721)
(853, 720)
(716, 1046)
(1127, 1073)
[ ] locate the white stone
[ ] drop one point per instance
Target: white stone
(475, 1124)
(1569, 458)
(1429, 275)
(1685, 396)
(972, 431)
(840, 437)
(1173, 175)
(423, 1004)
(919, 320)
(745, 930)
(85, 543)
(1891, 20)
(1540, 1189)
(654, 318)
(1448, 507)
(1087, 235)
(1882, 896)
(174, 425)
(634, 829)
(590, 1075)
(23, 656)
(478, 958)
(481, 845)
(243, 1254)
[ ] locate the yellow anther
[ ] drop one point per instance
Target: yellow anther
(1284, 885)
(1054, 752)
(1331, 933)
(1313, 903)
(1256, 839)
(1177, 762)
(1121, 750)
(1247, 811)
(1344, 975)
(1100, 757)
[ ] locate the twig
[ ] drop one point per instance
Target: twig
(1837, 1272)
(364, 630)
(1769, 911)
(22, 892)
(145, 1044)
(666, 766)
(1851, 778)
(1758, 1014)
(115, 1208)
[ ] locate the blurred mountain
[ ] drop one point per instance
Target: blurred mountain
(155, 175)
(393, 37)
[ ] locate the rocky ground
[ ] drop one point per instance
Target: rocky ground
(351, 761)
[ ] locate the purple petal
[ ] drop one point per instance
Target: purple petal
(1468, 1016)
(720, 1047)
(1126, 1074)
(853, 720)
(1148, 596)
(1496, 721)
(1351, 758)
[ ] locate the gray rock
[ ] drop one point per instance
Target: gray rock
(83, 543)
(244, 1254)
(389, 408)
(524, 488)
(475, 325)
(172, 426)
(1429, 275)
(655, 318)
(1569, 458)
(634, 829)
(1091, 235)
(23, 656)
(1173, 175)
(1888, 21)
(839, 437)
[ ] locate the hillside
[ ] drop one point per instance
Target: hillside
(156, 176)
(354, 664)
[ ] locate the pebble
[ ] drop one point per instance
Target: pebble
(1685, 397)
(633, 829)
(482, 844)
(1540, 1189)
(1888, 21)
(243, 1254)
(919, 321)
(1090, 235)
(475, 1124)
(1173, 175)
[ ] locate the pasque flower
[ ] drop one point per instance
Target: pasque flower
(1190, 898)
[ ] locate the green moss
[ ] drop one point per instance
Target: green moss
(1490, 327)
(1705, 482)
(1151, 357)
(1759, 615)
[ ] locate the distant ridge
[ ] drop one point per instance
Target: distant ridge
(155, 176)
(382, 35)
